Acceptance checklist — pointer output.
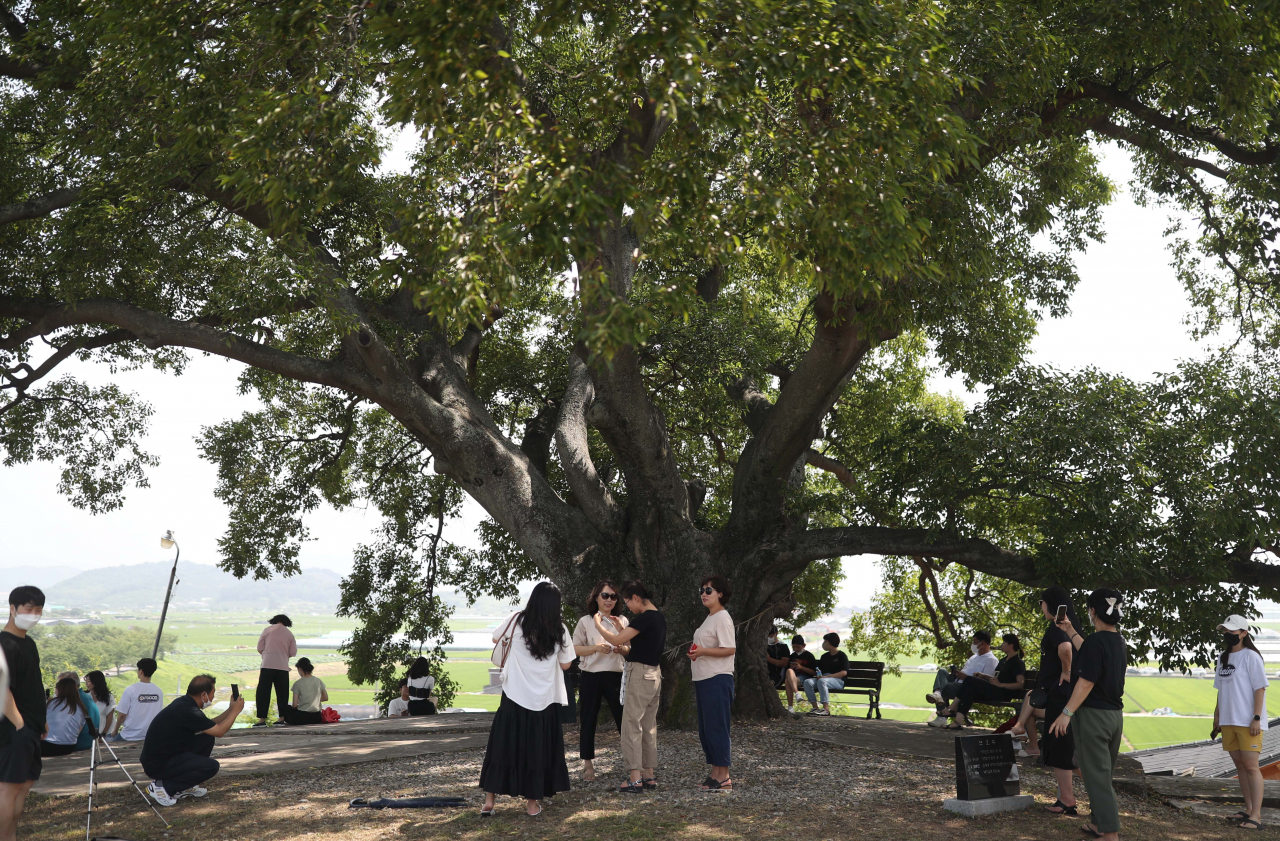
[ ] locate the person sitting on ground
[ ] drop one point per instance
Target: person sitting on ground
(139, 704)
(778, 658)
(309, 693)
(95, 684)
(421, 682)
(946, 684)
(66, 716)
(176, 753)
(833, 665)
(399, 707)
(801, 666)
(85, 740)
(1003, 686)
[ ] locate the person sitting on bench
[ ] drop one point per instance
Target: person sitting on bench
(999, 688)
(801, 666)
(946, 685)
(833, 665)
(778, 658)
(176, 753)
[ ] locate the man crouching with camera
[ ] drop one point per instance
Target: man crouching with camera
(176, 753)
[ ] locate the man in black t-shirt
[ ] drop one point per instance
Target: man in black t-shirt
(833, 665)
(800, 666)
(777, 656)
(1005, 685)
(176, 753)
(23, 724)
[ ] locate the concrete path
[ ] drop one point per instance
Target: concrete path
(260, 750)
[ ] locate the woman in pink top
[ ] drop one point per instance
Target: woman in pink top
(276, 645)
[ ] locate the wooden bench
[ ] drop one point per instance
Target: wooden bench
(1028, 683)
(864, 677)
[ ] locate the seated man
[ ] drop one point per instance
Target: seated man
(946, 686)
(1004, 685)
(833, 665)
(139, 703)
(778, 658)
(176, 753)
(801, 665)
(399, 707)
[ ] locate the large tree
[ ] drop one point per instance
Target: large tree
(659, 287)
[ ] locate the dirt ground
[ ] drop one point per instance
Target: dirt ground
(787, 788)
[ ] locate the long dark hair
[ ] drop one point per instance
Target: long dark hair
(67, 691)
(593, 604)
(98, 686)
(541, 623)
(1012, 639)
(1054, 596)
(1248, 643)
(420, 668)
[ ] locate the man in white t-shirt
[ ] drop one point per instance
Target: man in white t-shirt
(946, 686)
(399, 707)
(139, 703)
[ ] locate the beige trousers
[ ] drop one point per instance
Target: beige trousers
(640, 716)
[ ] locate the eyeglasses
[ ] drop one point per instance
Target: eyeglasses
(610, 597)
(706, 591)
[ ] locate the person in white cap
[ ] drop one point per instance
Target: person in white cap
(1241, 713)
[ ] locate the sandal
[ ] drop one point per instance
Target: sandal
(716, 785)
(486, 813)
(535, 814)
(1238, 816)
(1088, 829)
(629, 787)
(1246, 824)
(955, 725)
(707, 783)
(1060, 808)
(649, 783)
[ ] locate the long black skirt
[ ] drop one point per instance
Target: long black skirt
(1057, 751)
(525, 756)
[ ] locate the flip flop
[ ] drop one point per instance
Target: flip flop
(1088, 829)
(1245, 824)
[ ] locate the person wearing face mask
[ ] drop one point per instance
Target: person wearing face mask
(778, 657)
(1004, 685)
(946, 686)
(1241, 712)
(1095, 710)
(176, 753)
(23, 723)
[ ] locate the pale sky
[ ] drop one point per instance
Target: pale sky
(1126, 317)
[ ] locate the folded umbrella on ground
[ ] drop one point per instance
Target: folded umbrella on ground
(408, 803)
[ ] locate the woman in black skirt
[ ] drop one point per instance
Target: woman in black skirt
(525, 755)
(1059, 751)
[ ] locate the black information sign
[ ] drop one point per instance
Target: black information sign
(985, 767)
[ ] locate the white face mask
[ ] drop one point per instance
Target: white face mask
(204, 705)
(974, 648)
(26, 621)
(773, 640)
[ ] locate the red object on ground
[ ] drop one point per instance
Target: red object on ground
(330, 715)
(1007, 726)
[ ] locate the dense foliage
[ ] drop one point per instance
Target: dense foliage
(659, 289)
(83, 648)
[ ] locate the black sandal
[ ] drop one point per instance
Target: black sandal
(1090, 829)
(715, 785)
(1244, 824)
(629, 787)
(1238, 816)
(1069, 811)
(649, 783)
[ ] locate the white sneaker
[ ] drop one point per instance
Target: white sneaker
(194, 791)
(161, 796)
(791, 708)
(940, 721)
(933, 698)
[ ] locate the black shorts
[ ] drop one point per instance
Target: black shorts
(20, 759)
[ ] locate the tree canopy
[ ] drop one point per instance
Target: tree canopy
(659, 288)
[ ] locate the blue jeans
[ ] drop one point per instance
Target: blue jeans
(823, 685)
(713, 697)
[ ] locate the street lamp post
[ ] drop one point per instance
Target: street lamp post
(166, 542)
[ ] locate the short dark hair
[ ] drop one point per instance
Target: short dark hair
(797, 640)
(1107, 611)
(148, 666)
(634, 589)
(201, 684)
(304, 665)
(720, 584)
(404, 681)
(773, 629)
(26, 595)
(832, 638)
(280, 619)
(982, 636)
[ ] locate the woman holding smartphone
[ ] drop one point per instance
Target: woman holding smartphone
(601, 668)
(646, 635)
(1241, 712)
(711, 661)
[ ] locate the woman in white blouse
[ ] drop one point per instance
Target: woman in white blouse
(525, 755)
(601, 669)
(711, 661)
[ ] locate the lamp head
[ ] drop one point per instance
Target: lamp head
(167, 541)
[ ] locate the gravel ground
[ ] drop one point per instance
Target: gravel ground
(785, 788)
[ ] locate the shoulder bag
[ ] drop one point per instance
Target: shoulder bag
(503, 647)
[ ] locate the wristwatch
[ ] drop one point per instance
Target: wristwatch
(1257, 718)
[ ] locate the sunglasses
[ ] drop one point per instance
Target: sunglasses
(609, 597)
(706, 591)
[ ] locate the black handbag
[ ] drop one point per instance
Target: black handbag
(1039, 698)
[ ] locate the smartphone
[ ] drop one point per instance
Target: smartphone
(1062, 613)
(235, 692)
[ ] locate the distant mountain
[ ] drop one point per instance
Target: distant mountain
(39, 576)
(140, 587)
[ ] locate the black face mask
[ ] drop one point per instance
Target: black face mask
(1230, 640)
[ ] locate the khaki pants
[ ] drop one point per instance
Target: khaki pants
(640, 716)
